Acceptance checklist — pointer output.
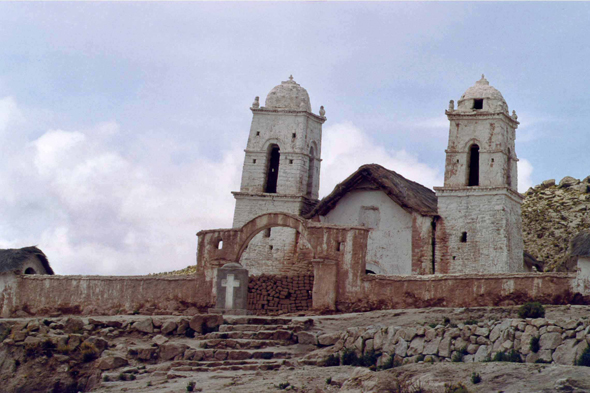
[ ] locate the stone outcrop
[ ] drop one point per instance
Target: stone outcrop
(551, 216)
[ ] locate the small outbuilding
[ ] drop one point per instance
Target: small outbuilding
(27, 260)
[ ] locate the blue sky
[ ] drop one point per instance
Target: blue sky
(122, 125)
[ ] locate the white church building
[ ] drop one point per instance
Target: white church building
(472, 224)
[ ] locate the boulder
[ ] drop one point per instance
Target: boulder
(328, 339)
(568, 181)
(111, 362)
(144, 326)
(550, 340)
(548, 183)
(308, 338)
(74, 325)
(171, 350)
(401, 348)
(444, 348)
(431, 347)
(205, 323)
(143, 353)
(416, 346)
(97, 342)
(169, 327)
(159, 339)
(565, 353)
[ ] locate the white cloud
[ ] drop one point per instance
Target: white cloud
(96, 209)
(525, 172)
(345, 147)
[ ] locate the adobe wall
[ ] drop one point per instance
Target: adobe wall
(465, 290)
(104, 295)
(390, 245)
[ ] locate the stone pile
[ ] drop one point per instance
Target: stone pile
(270, 294)
(560, 342)
(552, 214)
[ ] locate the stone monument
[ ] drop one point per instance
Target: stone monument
(232, 290)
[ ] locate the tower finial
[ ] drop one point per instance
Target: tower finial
(290, 77)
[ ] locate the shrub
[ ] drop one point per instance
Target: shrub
(475, 378)
(190, 386)
(349, 358)
(122, 377)
(512, 356)
(284, 385)
(419, 358)
(534, 345)
(471, 322)
(531, 310)
(433, 325)
(106, 378)
(457, 357)
(446, 320)
(332, 361)
(89, 352)
(584, 359)
(328, 381)
(369, 358)
(459, 387)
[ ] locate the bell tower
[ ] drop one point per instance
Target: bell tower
(282, 165)
(480, 207)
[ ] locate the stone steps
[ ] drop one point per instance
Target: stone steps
(281, 335)
(228, 320)
(242, 343)
(227, 365)
(252, 328)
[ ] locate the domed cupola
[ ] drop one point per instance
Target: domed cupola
(288, 95)
(482, 97)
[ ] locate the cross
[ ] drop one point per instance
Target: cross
(229, 286)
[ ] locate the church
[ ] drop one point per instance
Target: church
(472, 224)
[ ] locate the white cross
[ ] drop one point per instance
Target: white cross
(229, 286)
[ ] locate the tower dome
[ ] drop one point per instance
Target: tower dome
(288, 95)
(482, 96)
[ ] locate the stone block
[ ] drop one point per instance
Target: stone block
(401, 348)
(169, 327)
(444, 348)
(309, 338)
(416, 346)
(550, 340)
(204, 323)
(111, 362)
(565, 353)
(431, 347)
(171, 350)
(144, 326)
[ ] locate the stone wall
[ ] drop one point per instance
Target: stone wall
(272, 295)
(104, 295)
(559, 342)
(457, 290)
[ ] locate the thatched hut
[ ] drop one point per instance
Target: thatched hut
(27, 260)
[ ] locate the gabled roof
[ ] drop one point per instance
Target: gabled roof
(406, 193)
(13, 258)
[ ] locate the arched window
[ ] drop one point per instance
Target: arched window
(310, 172)
(473, 179)
(30, 270)
(272, 174)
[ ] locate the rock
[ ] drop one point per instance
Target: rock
(143, 353)
(308, 338)
(205, 323)
(550, 340)
(171, 350)
(74, 325)
(401, 348)
(482, 332)
(444, 348)
(416, 346)
(328, 339)
(568, 181)
(581, 188)
(144, 326)
(431, 348)
(495, 333)
(74, 340)
(169, 327)
(369, 346)
(159, 339)
(548, 183)
(482, 354)
(97, 342)
(565, 353)
(111, 362)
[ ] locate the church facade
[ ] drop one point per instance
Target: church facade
(471, 224)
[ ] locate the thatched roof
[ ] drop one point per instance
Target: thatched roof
(580, 244)
(13, 258)
(406, 193)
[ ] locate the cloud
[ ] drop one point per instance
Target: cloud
(525, 172)
(95, 208)
(345, 147)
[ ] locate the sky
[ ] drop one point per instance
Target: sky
(123, 124)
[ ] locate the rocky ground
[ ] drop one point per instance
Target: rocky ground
(552, 214)
(251, 354)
